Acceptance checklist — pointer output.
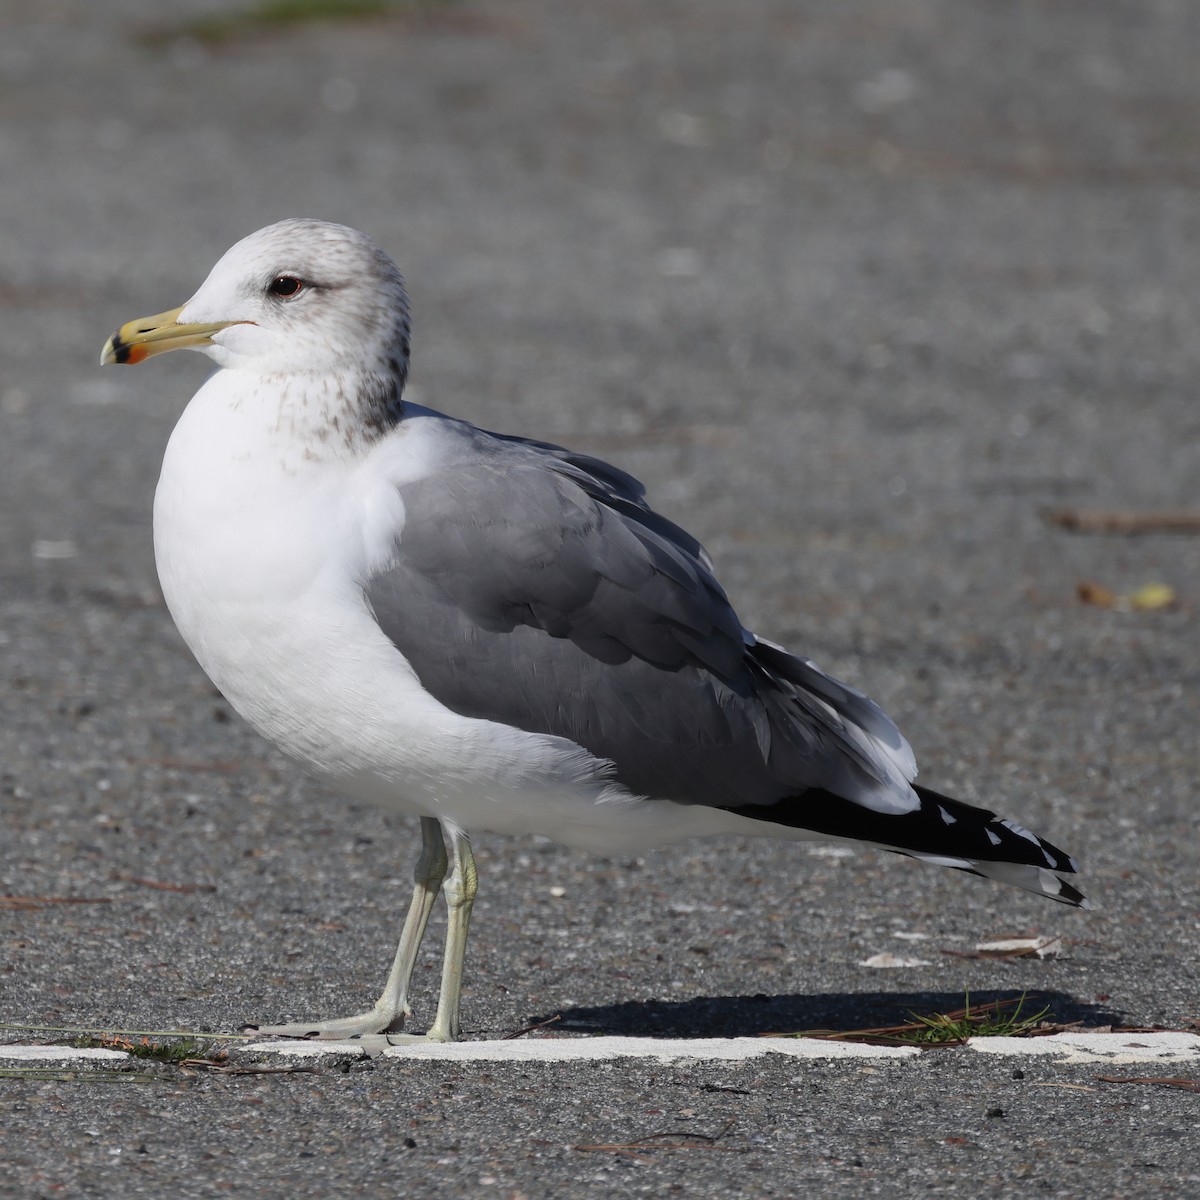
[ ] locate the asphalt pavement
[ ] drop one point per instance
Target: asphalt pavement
(865, 292)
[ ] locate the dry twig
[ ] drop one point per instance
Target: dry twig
(1188, 1085)
(165, 887)
(669, 1140)
(1128, 523)
(508, 1037)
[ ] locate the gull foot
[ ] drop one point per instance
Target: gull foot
(337, 1029)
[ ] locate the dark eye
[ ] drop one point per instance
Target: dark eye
(285, 286)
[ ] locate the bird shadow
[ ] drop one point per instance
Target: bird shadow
(750, 1016)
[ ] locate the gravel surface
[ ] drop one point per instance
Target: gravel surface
(861, 290)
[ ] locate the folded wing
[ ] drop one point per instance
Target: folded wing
(534, 587)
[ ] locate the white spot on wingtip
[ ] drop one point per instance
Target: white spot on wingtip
(1020, 831)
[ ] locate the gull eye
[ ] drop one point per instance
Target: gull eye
(285, 286)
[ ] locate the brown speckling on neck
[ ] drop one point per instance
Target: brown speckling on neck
(379, 406)
(337, 414)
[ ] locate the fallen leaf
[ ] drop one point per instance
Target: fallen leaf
(1148, 598)
(1021, 947)
(1152, 596)
(892, 960)
(1088, 592)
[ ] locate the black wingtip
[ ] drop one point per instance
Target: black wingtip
(942, 831)
(1070, 895)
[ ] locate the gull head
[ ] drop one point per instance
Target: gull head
(298, 297)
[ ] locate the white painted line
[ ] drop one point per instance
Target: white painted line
(600, 1049)
(585, 1049)
(312, 1048)
(1110, 1048)
(603, 1049)
(1069, 1047)
(59, 1054)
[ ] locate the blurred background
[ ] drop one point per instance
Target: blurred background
(865, 290)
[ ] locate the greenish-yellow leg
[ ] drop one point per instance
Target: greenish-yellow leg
(461, 885)
(392, 1007)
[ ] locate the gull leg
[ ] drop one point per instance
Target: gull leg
(392, 1006)
(461, 885)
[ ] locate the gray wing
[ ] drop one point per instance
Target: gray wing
(535, 588)
(615, 488)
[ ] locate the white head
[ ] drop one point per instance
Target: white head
(298, 297)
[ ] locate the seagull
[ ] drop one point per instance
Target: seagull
(481, 630)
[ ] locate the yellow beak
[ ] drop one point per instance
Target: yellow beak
(138, 340)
